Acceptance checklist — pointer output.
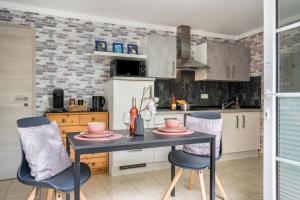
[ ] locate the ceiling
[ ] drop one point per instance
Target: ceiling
(230, 17)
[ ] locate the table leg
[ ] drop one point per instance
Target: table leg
(77, 176)
(212, 168)
(67, 196)
(173, 175)
(68, 146)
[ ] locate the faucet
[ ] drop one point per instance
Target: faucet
(226, 105)
(236, 102)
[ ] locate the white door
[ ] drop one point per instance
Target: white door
(282, 99)
(16, 89)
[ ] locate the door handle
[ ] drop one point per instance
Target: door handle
(21, 98)
(173, 68)
(244, 121)
(237, 122)
(233, 71)
(227, 72)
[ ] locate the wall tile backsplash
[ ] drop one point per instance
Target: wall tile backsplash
(64, 52)
(184, 87)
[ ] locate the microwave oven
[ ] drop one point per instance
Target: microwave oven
(132, 68)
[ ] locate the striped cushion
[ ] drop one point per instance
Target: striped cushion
(44, 150)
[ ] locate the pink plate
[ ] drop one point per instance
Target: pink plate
(114, 136)
(187, 132)
(177, 130)
(96, 135)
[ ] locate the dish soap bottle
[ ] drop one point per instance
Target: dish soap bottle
(173, 105)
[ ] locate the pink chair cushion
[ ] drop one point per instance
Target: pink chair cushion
(44, 150)
(210, 126)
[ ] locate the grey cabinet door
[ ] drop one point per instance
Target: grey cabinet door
(239, 63)
(218, 61)
(161, 56)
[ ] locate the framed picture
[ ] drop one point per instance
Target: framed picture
(132, 49)
(101, 45)
(118, 48)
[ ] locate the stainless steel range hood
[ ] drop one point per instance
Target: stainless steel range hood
(184, 60)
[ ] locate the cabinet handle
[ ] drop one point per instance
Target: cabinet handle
(227, 71)
(135, 150)
(93, 119)
(63, 120)
(233, 71)
(237, 121)
(244, 121)
(173, 68)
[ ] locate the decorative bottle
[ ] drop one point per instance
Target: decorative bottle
(133, 115)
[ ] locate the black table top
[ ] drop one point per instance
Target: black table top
(149, 140)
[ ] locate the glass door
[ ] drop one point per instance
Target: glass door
(282, 109)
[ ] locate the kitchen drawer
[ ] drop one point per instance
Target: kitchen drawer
(98, 165)
(130, 157)
(160, 119)
(88, 156)
(85, 119)
(65, 129)
(65, 120)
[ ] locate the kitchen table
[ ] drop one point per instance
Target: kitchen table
(149, 140)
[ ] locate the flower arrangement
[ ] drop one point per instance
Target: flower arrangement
(148, 104)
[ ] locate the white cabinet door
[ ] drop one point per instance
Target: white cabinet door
(249, 133)
(239, 63)
(230, 132)
(161, 55)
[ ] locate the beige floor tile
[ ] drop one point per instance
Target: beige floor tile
(154, 192)
(17, 191)
(142, 180)
(4, 185)
(245, 189)
(127, 195)
(116, 183)
(257, 197)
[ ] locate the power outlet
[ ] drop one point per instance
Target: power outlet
(204, 96)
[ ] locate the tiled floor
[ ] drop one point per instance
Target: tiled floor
(242, 180)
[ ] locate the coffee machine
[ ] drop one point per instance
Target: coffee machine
(58, 101)
(98, 103)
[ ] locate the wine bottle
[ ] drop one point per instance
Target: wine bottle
(133, 115)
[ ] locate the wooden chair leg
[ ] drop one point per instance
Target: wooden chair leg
(202, 186)
(32, 194)
(82, 197)
(50, 194)
(58, 196)
(176, 178)
(218, 182)
(192, 178)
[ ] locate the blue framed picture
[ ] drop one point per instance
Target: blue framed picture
(118, 48)
(132, 49)
(100, 45)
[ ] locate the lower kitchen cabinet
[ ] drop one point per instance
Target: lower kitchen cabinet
(77, 122)
(241, 132)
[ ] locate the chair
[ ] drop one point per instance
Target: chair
(197, 163)
(62, 182)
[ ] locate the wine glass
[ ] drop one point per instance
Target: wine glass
(126, 121)
(147, 117)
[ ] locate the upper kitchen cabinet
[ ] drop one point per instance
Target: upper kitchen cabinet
(161, 55)
(225, 61)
